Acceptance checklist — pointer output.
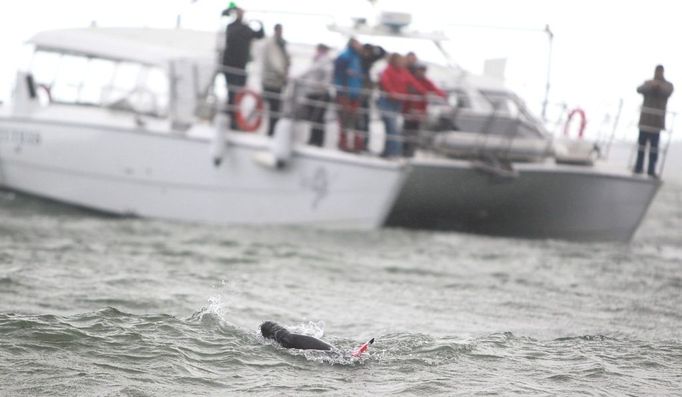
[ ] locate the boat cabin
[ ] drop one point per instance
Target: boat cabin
(155, 73)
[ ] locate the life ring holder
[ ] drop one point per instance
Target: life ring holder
(583, 121)
(46, 89)
(243, 122)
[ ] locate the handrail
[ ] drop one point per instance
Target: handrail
(336, 88)
(332, 88)
(632, 122)
(299, 101)
(666, 148)
(615, 128)
(294, 100)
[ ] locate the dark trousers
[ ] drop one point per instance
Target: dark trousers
(315, 111)
(235, 82)
(363, 120)
(652, 138)
(273, 96)
(411, 130)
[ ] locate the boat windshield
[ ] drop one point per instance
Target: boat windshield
(91, 81)
(505, 103)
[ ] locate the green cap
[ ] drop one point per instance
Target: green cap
(232, 5)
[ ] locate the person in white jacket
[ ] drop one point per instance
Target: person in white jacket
(314, 85)
(275, 72)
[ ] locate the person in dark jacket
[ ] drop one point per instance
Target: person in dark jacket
(238, 37)
(411, 62)
(370, 55)
(652, 118)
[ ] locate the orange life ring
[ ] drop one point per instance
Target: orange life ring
(244, 122)
(583, 121)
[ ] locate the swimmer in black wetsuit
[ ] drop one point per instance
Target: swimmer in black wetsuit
(288, 340)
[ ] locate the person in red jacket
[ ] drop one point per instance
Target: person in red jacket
(397, 84)
(414, 109)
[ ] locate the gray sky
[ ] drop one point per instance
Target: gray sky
(602, 49)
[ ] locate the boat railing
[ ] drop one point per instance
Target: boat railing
(297, 102)
(617, 125)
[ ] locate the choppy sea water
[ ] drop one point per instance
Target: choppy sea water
(91, 305)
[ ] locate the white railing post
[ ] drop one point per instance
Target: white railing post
(615, 128)
(664, 156)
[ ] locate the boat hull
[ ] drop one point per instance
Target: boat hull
(539, 201)
(129, 171)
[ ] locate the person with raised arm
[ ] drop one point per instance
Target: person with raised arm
(236, 55)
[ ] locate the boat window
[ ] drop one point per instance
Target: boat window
(509, 105)
(502, 103)
(44, 67)
(459, 99)
(157, 83)
(125, 78)
(97, 77)
(68, 82)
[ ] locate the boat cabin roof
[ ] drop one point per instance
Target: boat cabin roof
(387, 32)
(147, 46)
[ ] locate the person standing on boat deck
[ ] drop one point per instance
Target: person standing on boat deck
(315, 83)
(397, 83)
(275, 71)
(411, 61)
(236, 54)
(370, 55)
(652, 118)
(349, 80)
(414, 109)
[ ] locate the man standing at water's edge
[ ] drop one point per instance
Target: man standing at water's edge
(652, 118)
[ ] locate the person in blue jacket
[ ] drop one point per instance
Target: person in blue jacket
(349, 81)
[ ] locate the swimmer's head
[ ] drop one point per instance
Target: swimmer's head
(268, 329)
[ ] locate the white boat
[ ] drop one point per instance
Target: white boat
(107, 119)
(486, 164)
(490, 166)
(536, 200)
